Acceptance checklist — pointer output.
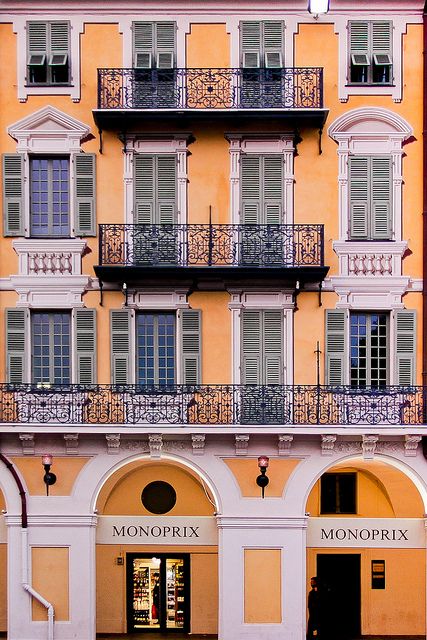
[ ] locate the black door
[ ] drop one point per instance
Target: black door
(158, 592)
(339, 582)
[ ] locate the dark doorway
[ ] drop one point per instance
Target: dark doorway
(158, 592)
(339, 580)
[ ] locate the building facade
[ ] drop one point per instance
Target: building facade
(211, 273)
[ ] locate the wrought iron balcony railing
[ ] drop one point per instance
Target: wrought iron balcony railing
(204, 245)
(289, 88)
(212, 405)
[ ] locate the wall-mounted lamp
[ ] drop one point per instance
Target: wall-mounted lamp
(49, 478)
(318, 7)
(262, 480)
(125, 293)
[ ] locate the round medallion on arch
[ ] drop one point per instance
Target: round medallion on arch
(158, 497)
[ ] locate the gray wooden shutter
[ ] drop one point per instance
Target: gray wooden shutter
(143, 45)
(59, 38)
(336, 355)
(359, 196)
(13, 194)
(144, 188)
(250, 189)
(37, 43)
(121, 346)
(382, 33)
(273, 346)
(251, 372)
(380, 192)
(359, 50)
(17, 331)
(250, 44)
(84, 323)
(273, 44)
(165, 45)
(273, 189)
(191, 341)
(166, 191)
(405, 347)
(84, 194)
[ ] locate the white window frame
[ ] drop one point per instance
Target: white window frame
(49, 132)
(258, 144)
(168, 144)
(370, 131)
(399, 28)
(262, 301)
(76, 29)
(391, 341)
(29, 351)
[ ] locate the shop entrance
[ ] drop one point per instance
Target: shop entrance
(339, 579)
(158, 590)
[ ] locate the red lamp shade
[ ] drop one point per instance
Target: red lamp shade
(263, 462)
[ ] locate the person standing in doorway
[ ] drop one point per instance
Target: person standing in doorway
(314, 611)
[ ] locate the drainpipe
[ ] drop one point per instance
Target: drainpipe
(24, 539)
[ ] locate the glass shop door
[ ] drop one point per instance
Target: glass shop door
(158, 592)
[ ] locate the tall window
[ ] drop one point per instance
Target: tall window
(370, 52)
(50, 197)
(370, 195)
(48, 53)
(155, 341)
(369, 350)
(261, 44)
(51, 342)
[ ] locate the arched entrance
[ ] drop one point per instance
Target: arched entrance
(156, 551)
(366, 545)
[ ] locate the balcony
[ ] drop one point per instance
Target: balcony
(131, 94)
(131, 406)
(224, 254)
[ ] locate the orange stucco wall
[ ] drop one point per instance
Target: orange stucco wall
(263, 586)
(50, 575)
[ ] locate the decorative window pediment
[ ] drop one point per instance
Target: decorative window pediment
(49, 130)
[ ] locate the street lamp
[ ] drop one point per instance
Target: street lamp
(318, 7)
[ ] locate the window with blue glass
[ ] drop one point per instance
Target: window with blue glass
(156, 349)
(50, 197)
(369, 356)
(51, 343)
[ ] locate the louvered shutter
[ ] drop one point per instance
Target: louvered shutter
(143, 44)
(84, 194)
(272, 347)
(251, 347)
(381, 42)
(16, 345)
(165, 45)
(13, 194)
(380, 198)
(273, 189)
(405, 347)
(37, 43)
(166, 189)
(273, 44)
(144, 181)
(359, 196)
(250, 189)
(59, 39)
(191, 339)
(336, 355)
(121, 371)
(359, 40)
(250, 44)
(84, 323)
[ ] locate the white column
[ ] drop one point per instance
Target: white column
(238, 534)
